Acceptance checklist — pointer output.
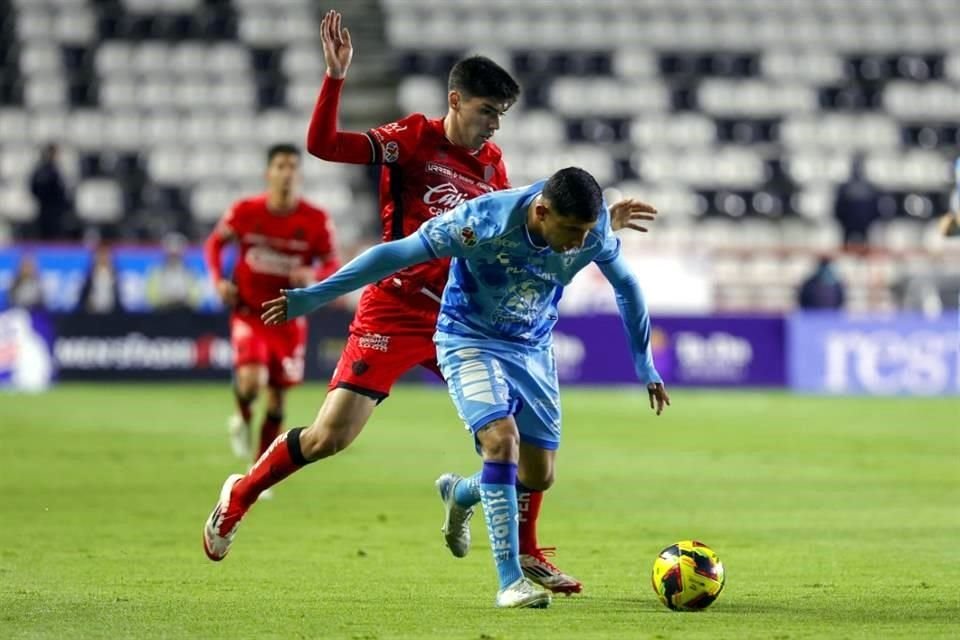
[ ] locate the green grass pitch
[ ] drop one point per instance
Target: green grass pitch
(834, 517)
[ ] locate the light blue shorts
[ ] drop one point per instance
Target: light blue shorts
(490, 379)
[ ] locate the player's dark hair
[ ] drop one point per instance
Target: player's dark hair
(574, 193)
(481, 77)
(282, 148)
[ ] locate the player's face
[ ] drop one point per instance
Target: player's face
(283, 173)
(477, 118)
(563, 233)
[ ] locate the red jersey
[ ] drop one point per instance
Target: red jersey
(273, 244)
(425, 175)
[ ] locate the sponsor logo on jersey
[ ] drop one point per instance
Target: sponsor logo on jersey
(452, 174)
(374, 341)
(265, 260)
(393, 127)
(443, 197)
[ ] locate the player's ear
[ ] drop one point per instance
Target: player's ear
(453, 99)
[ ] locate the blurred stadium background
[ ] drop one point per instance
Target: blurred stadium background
(741, 120)
(775, 271)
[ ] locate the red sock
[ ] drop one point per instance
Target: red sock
(282, 458)
(243, 405)
(529, 506)
(269, 431)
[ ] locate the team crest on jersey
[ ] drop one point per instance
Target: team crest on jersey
(468, 236)
(391, 151)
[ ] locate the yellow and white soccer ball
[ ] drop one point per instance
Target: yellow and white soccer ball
(688, 576)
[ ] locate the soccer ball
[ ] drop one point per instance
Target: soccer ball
(688, 576)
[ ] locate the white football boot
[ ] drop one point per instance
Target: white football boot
(239, 436)
(456, 519)
(524, 593)
(221, 526)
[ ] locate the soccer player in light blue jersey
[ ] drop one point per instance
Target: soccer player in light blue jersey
(513, 252)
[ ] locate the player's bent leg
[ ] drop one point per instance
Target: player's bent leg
(456, 517)
(535, 475)
(339, 421)
(271, 426)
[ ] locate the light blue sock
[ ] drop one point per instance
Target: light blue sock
(498, 494)
(466, 493)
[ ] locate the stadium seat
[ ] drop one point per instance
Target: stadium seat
(16, 203)
(99, 201)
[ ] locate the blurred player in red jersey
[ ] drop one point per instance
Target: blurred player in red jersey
(284, 241)
(430, 165)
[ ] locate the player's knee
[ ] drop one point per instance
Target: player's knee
(539, 483)
(248, 384)
(500, 441)
(536, 479)
(247, 390)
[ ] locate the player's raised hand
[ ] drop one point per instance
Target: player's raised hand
(337, 46)
(659, 396)
(628, 213)
(275, 311)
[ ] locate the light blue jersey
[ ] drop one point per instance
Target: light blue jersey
(499, 306)
(502, 284)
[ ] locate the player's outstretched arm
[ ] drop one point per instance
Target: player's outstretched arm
(629, 213)
(636, 321)
(323, 139)
(373, 264)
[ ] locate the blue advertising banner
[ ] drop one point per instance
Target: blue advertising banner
(63, 271)
(174, 345)
(717, 351)
(898, 355)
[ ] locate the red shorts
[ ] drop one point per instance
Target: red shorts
(387, 339)
(280, 348)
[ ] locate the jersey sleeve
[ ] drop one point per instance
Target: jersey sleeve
(459, 232)
(233, 218)
(324, 246)
(397, 142)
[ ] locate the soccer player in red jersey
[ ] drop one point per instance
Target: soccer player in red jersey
(430, 165)
(284, 241)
